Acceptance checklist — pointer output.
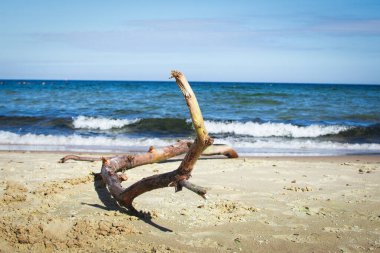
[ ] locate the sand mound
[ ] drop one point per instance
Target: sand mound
(59, 234)
(14, 192)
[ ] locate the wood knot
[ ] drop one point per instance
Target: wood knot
(209, 141)
(151, 149)
(175, 74)
(105, 162)
(181, 177)
(122, 177)
(130, 158)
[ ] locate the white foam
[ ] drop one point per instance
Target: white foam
(300, 146)
(8, 138)
(272, 129)
(83, 122)
(13, 141)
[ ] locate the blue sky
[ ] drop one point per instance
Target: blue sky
(335, 41)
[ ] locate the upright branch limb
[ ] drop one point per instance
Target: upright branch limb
(202, 140)
(174, 178)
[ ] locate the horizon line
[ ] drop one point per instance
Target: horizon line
(196, 81)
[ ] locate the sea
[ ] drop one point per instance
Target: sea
(256, 119)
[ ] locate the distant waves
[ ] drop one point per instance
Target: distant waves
(270, 129)
(249, 137)
(158, 127)
(255, 118)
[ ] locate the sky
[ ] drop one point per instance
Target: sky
(308, 41)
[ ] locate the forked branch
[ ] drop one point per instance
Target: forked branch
(177, 178)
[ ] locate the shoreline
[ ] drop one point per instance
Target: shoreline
(341, 158)
(255, 204)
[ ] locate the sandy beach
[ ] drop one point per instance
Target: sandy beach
(255, 204)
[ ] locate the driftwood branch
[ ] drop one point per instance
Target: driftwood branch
(220, 149)
(177, 178)
(126, 162)
(201, 191)
(79, 158)
(216, 149)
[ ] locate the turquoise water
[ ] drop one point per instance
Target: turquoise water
(254, 118)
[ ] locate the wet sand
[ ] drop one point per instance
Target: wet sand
(257, 204)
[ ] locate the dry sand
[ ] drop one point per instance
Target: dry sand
(255, 205)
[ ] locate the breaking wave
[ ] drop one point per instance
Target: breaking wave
(83, 122)
(273, 129)
(9, 138)
(154, 125)
(298, 144)
(14, 141)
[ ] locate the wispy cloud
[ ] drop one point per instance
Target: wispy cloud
(212, 35)
(186, 24)
(155, 35)
(350, 27)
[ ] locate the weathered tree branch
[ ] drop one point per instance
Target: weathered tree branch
(177, 178)
(202, 140)
(216, 149)
(201, 191)
(220, 149)
(79, 158)
(126, 162)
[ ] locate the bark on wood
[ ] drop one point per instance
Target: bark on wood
(126, 162)
(177, 178)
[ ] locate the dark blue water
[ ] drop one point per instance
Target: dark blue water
(255, 118)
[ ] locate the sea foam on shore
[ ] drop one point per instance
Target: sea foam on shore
(40, 142)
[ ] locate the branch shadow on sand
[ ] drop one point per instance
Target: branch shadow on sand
(110, 204)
